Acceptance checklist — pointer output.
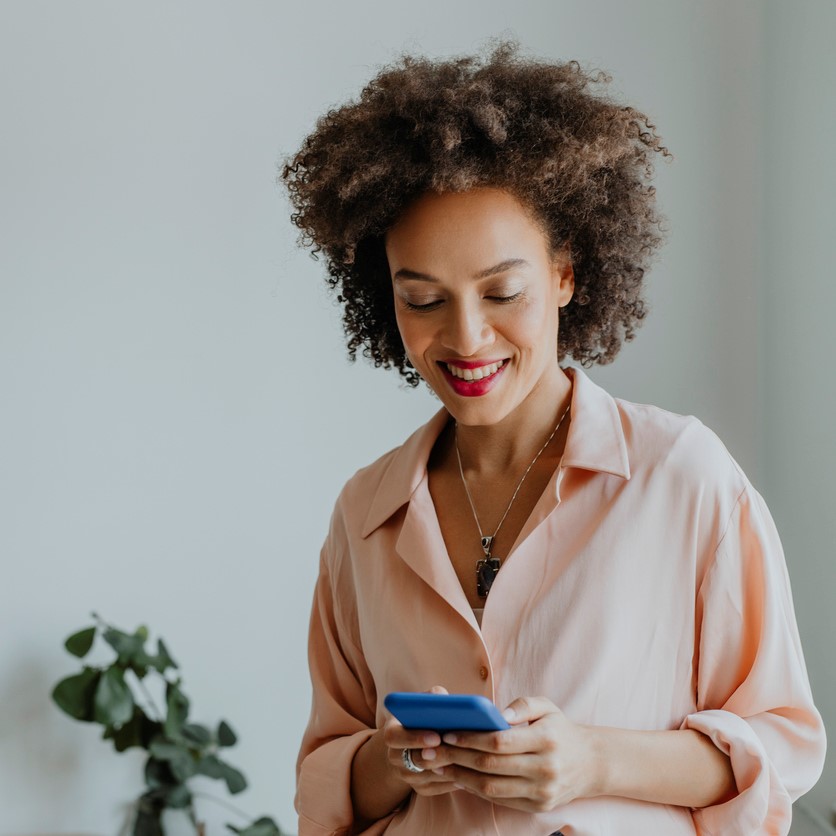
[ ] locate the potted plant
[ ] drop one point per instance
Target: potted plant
(177, 749)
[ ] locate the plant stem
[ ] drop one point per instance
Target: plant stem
(199, 826)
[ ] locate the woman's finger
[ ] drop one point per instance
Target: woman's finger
(435, 788)
(397, 737)
(517, 740)
(490, 786)
(528, 708)
(488, 763)
(421, 757)
(525, 734)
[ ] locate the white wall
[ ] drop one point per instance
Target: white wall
(177, 411)
(797, 337)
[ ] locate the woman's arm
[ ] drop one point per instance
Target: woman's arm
(348, 773)
(380, 782)
(375, 789)
(342, 717)
(546, 760)
(681, 766)
(669, 767)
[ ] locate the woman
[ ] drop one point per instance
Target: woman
(602, 569)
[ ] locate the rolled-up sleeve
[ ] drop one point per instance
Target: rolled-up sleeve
(342, 716)
(753, 692)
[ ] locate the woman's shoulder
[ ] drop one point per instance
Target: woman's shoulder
(366, 479)
(389, 480)
(682, 444)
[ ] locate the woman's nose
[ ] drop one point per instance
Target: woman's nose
(466, 330)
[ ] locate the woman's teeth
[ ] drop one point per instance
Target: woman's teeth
(474, 374)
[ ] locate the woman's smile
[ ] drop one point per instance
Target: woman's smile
(473, 382)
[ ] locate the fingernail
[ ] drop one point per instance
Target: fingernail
(428, 754)
(449, 738)
(431, 739)
(439, 770)
(509, 714)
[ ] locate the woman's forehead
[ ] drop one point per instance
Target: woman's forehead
(484, 225)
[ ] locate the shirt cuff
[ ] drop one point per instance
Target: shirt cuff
(761, 805)
(323, 795)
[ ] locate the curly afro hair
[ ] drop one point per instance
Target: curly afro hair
(579, 162)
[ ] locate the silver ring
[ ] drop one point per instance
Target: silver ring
(406, 757)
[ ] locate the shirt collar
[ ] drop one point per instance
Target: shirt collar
(595, 442)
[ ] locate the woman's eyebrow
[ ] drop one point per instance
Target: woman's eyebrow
(507, 264)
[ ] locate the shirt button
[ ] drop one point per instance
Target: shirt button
(483, 672)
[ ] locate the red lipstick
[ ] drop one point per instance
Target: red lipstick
(473, 388)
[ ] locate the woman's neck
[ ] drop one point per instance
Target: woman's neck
(510, 445)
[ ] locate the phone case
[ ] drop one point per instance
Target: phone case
(445, 712)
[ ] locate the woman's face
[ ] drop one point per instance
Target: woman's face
(476, 266)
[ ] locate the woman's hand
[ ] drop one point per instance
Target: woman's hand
(397, 738)
(534, 767)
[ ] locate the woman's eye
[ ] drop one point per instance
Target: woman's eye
(413, 307)
(428, 306)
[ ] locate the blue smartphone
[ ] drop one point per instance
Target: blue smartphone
(445, 712)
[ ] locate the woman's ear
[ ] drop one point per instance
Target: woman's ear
(564, 275)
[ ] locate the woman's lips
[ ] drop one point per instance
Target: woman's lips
(472, 388)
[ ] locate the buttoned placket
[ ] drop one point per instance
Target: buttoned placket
(499, 630)
(417, 543)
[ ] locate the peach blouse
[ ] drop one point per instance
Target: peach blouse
(647, 590)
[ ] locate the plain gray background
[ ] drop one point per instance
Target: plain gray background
(177, 413)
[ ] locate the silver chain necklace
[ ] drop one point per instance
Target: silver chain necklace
(487, 567)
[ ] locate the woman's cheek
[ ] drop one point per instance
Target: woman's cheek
(414, 337)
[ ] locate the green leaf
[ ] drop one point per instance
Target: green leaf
(125, 645)
(165, 750)
(226, 737)
(158, 774)
(161, 662)
(150, 730)
(114, 703)
(183, 767)
(178, 796)
(214, 767)
(178, 710)
(235, 780)
(197, 734)
(79, 643)
(139, 664)
(180, 760)
(138, 731)
(76, 694)
(211, 766)
(165, 660)
(264, 826)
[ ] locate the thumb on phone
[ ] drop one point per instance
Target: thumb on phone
(437, 689)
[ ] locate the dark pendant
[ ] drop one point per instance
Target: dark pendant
(486, 571)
